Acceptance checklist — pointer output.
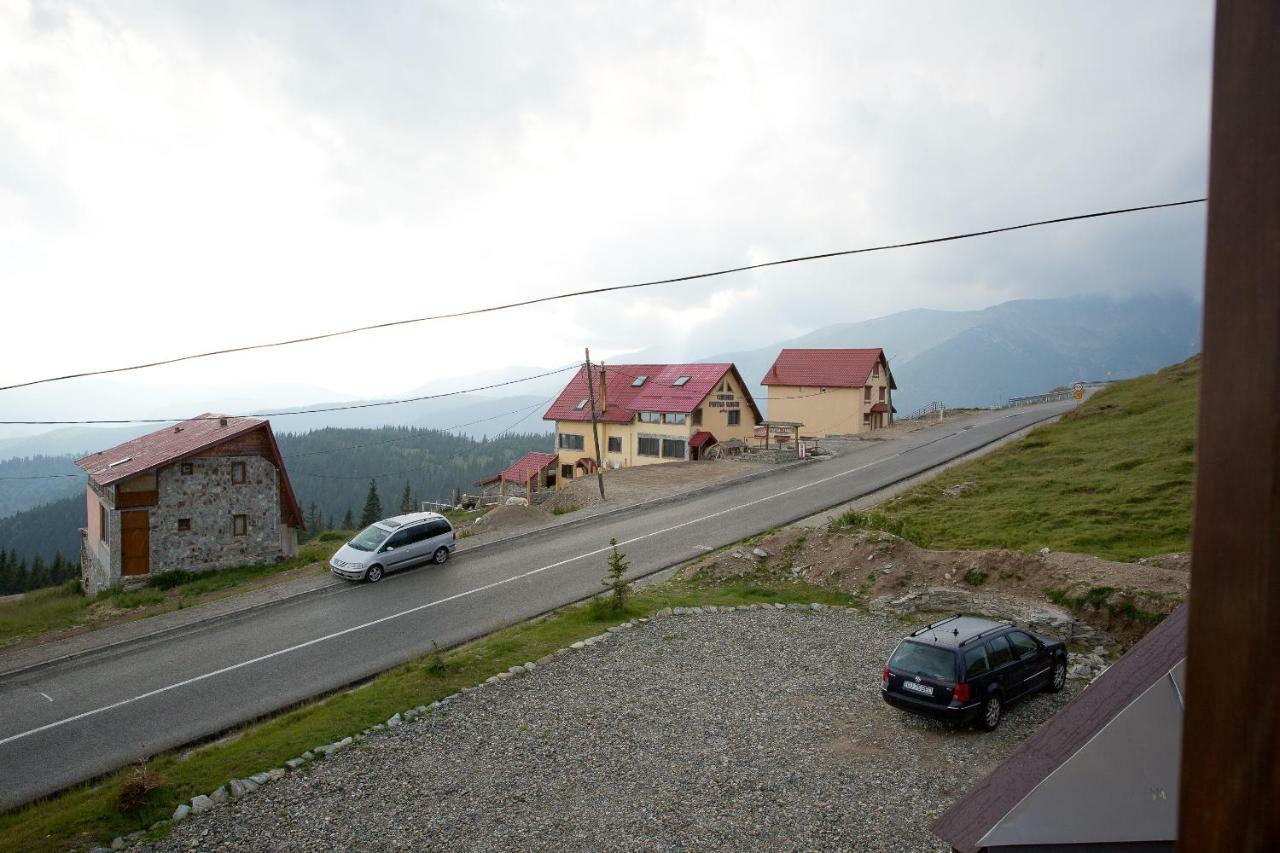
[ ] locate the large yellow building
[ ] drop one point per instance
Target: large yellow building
(649, 413)
(831, 391)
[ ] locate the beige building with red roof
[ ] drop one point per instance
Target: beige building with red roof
(211, 492)
(831, 391)
(650, 413)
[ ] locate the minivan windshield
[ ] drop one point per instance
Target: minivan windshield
(371, 537)
(932, 662)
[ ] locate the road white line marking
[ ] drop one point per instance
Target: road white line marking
(45, 695)
(242, 664)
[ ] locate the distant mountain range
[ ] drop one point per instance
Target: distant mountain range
(981, 358)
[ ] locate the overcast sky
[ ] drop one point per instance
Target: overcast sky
(179, 176)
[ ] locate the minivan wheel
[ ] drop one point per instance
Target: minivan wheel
(1059, 679)
(992, 712)
(374, 574)
(441, 556)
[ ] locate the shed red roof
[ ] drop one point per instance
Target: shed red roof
(658, 393)
(165, 446)
(522, 469)
(831, 368)
(701, 438)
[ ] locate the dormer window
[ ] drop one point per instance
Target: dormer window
(680, 380)
(582, 404)
(638, 381)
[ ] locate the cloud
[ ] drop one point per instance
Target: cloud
(186, 176)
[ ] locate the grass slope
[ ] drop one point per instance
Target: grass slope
(1113, 478)
(88, 815)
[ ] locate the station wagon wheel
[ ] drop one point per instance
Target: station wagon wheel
(441, 555)
(992, 711)
(374, 574)
(1059, 679)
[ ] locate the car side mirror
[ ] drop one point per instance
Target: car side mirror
(386, 548)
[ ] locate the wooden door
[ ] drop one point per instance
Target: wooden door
(135, 542)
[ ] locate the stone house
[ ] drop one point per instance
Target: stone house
(650, 413)
(831, 391)
(208, 493)
(534, 472)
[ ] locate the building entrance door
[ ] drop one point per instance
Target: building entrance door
(135, 542)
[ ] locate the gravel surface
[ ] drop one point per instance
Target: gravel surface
(749, 729)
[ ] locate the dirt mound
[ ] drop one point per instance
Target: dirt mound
(1122, 599)
(507, 517)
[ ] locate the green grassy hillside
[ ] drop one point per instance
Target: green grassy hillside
(1113, 478)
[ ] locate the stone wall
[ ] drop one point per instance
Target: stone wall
(208, 499)
(97, 574)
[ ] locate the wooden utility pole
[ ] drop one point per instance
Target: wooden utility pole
(1229, 795)
(595, 430)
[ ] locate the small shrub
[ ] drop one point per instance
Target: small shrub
(436, 664)
(72, 587)
(975, 577)
(333, 536)
(619, 587)
(168, 580)
(564, 510)
(139, 784)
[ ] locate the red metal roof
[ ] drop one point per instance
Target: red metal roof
(165, 446)
(701, 438)
(879, 407)
(154, 449)
(831, 368)
(523, 468)
(659, 393)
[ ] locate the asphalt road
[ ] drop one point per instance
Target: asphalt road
(70, 722)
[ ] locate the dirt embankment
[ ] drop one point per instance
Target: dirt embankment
(1121, 599)
(650, 482)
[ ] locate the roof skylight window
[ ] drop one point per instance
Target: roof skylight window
(680, 380)
(120, 462)
(639, 380)
(582, 404)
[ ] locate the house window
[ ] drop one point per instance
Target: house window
(638, 381)
(184, 524)
(104, 524)
(615, 444)
(582, 404)
(566, 471)
(866, 420)
(648, 447)
(881, 393)
(866, 394)
(735, 417)
(672, 448)
(680, 382)
(571, 441)
(650, 418)
(875, 369)
(238, 474)
(239, 525)
(697, 417)
(674, 418)
(187, 469)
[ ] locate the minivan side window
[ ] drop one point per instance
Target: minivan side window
(1001, 653)
(975, 662)
(416, 533)
(1023, 645)
(437, 528)
(398, 539)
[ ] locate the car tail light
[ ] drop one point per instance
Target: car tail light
(884, 677)
(961, 693)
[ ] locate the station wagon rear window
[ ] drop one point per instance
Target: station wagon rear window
(928, 661)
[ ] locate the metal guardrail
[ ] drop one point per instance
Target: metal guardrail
(1037, 398)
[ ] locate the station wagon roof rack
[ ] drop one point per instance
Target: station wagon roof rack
(933, 625)
(983, 633)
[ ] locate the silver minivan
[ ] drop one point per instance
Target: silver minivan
(393, 544)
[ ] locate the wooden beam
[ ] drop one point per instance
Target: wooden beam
(1230, 785)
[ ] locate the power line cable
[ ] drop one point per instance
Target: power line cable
(320, 410)
(597, 290)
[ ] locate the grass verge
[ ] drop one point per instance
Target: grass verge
(87, 815)
(59, 608)
(1113, 478)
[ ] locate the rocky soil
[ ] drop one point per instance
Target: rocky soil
(1076, 596)
(750, 728)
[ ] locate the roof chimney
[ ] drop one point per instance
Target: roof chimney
(604, 404)
(177, 429)
(222, 422)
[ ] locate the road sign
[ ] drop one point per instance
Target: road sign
(1077, 390)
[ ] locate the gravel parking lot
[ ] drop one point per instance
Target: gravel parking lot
(746, 729)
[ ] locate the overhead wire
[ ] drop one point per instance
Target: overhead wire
(597, 290)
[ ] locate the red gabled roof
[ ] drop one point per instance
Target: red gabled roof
(623, 399)
(879, 407)
(831, 368)
(165, 446)
(523, 468)
(701, 438)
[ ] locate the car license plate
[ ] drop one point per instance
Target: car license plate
(923, 689)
